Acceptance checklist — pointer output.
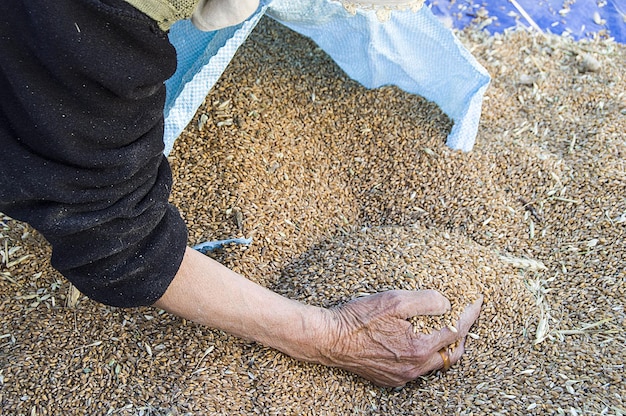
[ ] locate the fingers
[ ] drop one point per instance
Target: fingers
(445, 336)
(388, 352)
(438, 360)
(420, 302)
(469, 316)
(455, 355)
(441, 340)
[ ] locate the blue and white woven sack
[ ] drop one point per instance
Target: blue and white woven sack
(409, 49)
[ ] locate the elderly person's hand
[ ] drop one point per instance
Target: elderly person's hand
(371, 336)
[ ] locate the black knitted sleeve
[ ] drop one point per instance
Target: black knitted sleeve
(81, 141)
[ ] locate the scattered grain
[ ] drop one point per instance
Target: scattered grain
(351, 163)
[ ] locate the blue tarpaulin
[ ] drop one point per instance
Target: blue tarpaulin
(579, 19)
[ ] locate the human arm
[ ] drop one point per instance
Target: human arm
(369, 336)
(81, 132)
(82, 162)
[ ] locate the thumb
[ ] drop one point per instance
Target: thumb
(421, 302)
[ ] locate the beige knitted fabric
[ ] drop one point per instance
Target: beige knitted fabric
(166, 12)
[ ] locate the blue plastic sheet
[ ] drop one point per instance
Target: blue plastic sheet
(214, 245)
(579, 19)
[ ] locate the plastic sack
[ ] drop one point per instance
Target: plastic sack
(411, 50)
(202, 57)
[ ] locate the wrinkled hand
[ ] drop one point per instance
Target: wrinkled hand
(371, 336)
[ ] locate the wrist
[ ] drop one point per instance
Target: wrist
(310, 334)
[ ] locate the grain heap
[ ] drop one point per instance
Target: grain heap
(372, 260)
(296, 155)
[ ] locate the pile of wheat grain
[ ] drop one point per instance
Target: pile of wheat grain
(334, 183)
